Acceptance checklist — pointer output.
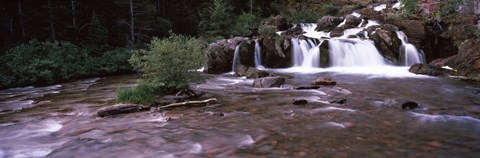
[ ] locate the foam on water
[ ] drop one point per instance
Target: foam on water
(380, 7)
(329, 109)
(246, 141)
(375, 71)
(425, 118)
(334, 124)
(50, 126)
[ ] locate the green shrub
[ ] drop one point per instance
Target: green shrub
(245, 25)
(144, 93)
(330, 9)
(171, 61)
(302, 16)
(268, 30)
(114, 61)
(409, 6)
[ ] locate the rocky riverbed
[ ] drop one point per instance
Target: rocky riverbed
(359, 116)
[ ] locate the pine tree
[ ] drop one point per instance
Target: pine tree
(216, 20)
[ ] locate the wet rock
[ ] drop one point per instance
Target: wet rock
(327, 23)
(219, 55)
(388, 43)
(297, 30)
(338, 100)
(241, 70)
(268, 82)
(324, 81)
(337, 32)
(300, 102)
(120, 109)
(254, 73)
(276, 52)
(325, 54)
(352, 21)
(415, 31)
(306, 87)
(218, 114)
(467, 61)
(403, 104)
(430, 70)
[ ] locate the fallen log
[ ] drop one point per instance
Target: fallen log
(120, 109)
(190, 103)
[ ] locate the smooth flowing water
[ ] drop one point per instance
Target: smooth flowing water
(61, 121)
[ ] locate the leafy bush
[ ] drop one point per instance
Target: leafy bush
(42, 63)
(267, 30)
(409, 6)
(302, 16)
(144, 93)
(171, 61)
(245, 25)
(330, 9)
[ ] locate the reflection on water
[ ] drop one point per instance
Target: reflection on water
(60, 120)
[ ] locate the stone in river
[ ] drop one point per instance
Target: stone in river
(324, 81)
(268, 82)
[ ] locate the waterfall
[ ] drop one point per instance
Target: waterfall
(354, 52)
(408, 52)
(236, 57)
(258, 56)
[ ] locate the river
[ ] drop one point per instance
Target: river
(61, 120)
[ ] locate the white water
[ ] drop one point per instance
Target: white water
(258, 56)
(236, 58)
(409, 52)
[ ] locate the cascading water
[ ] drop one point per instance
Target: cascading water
(345, 51)
(258, 56)
(409, 53)
(236, 57)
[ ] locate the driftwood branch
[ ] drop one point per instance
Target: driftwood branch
(190, 103)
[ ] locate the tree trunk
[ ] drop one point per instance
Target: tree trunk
(132, 24)
(20, 19)
(74, 15)
(50, 16)
(251, 6)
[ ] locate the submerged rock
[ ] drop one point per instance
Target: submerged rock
(403, 104)
(300, 102)
(324, 81)
(268, 82)
(120, 109)
(254, 73)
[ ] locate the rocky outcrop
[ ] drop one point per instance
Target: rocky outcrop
(219, 55)
(324, 81)
(467, 61)
(268, 82)
(276, 52)
(415, 31)
(327, 23)
(387, 41)
(430, 70)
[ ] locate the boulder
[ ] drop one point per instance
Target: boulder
(120, 109)
(324, 81)
(268, 82)
(430, 70)
(300, 102)
(219, 55)
(352, 21)
(254, 73)
(467, 61)
(327, 23)
(398, 103)
(324, 54)
(241, 70)
(387, 42)
(276, 52)
(337, 32)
